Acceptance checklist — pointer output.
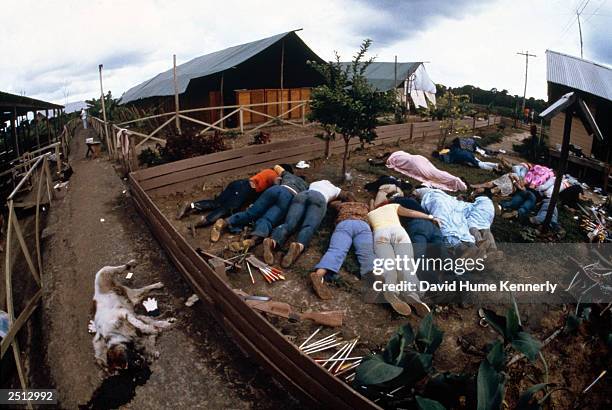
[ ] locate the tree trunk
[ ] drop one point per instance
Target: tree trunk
(344, 158)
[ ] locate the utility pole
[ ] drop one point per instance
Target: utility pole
(580, 30)
(527, 55)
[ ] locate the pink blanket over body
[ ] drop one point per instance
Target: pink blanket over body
(421, 169)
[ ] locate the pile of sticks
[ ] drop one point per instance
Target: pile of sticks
(341, 362)
(594, 223)
(269, 273)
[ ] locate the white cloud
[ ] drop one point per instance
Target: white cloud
(53, 48)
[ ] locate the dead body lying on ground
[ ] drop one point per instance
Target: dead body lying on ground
(120, 333)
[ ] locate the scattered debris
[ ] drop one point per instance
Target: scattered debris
(129, 275)
(151, 306)
(101, 219)
(191, 300)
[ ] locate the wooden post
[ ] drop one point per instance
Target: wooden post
(104, 112)
(58, 162)
(241, 115)
(474, 124)
(36, 132)
(176, 96)
(48, 126)
(411, 130)
(303, 113)
(567, 130)
(222, 100)
(14, 131)
(282, 78)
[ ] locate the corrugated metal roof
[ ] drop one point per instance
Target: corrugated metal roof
(381, 75)
(580, 74)
(163, 85)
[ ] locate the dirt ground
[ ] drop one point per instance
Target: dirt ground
(94, 225)
(374, 324)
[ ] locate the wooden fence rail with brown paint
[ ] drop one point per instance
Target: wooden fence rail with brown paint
(38, 175)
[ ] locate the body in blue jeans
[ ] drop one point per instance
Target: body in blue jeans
(523, 200)
(231, 199)
(349, 232)
(269, 209)
(421, 231)
(307, 210)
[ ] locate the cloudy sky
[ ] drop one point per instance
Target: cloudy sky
(51, 49)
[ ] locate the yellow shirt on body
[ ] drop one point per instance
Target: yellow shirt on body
(384, 216)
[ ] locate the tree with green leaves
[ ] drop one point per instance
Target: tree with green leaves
(346, 104)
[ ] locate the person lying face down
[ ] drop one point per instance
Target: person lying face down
(353, 229)
(457, 155)
(304, 216)
(451, 213)
(390, 242)
(267, 211)
(237, 194)
(422, 232)
(479, 217)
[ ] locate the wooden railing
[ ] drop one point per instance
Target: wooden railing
(219, 125)
(38, 174)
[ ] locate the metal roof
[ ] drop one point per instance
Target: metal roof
(381, 75)
(580, 74)
(163, 85)
(8, 100)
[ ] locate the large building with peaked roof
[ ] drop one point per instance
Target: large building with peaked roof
(593, 82)
(263, 71)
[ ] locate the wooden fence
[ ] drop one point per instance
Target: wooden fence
(37, 175)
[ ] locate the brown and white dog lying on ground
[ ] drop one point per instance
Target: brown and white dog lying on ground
(120, 332)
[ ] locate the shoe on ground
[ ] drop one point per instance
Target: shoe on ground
(320, 287)
(397, 304)
(509, 214)
(182, 210)
(295, 249)
(217, 229)
(419, 307)
(241, 246)
(268, 249)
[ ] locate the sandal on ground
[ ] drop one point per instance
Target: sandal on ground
(320, 287)
(419, 307)
(268, 248)
(215, 232)
(397, 304)
(295, 249)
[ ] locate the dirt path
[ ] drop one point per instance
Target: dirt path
(95, 225)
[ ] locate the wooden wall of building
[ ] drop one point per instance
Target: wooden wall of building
(579, 135)
(272, 95)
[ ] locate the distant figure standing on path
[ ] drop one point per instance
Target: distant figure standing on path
(84, 118)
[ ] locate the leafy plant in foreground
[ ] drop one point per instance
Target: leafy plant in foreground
(406, 359)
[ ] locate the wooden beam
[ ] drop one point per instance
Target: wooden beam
(567, 130)
(176, 96)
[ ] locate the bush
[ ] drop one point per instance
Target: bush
(182, 146)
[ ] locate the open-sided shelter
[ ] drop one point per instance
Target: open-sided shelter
(411, 82)
(593, 82)
(270, 70)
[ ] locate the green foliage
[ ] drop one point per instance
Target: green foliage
(114, 112)
(150, 157)
(428, 404)
(491, 381)
(346, 104)
(406, 359)
(528, 401)
(498, 102)
(513, 333)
